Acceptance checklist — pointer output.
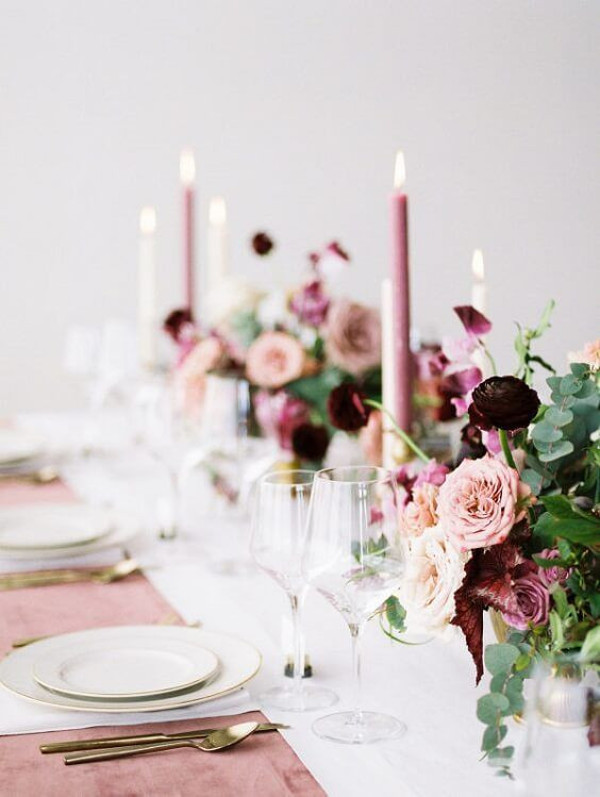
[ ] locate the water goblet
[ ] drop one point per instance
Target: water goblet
(278, 534)
(353, 558)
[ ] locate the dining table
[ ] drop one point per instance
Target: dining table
(430, 686)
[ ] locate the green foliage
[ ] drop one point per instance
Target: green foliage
(523, 341)
(564, 519)
(315, 390)
(509, 666)
(245, 327)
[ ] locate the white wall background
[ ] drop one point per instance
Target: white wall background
(295, 110)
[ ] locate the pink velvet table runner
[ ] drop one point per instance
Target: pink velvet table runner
(264, 765)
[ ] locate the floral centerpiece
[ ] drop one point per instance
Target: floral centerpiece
(512, 526)
(293, 346)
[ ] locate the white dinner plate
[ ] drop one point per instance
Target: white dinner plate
(17, 445)
(31, 527)
(145, 665)
(123, 528)
(239, 662)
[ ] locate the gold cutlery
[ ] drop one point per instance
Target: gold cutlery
(107, 742)
(42, 578)
(44, 475)
(215, 741)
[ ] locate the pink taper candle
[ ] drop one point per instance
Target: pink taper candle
(187, 171)
(401, 305)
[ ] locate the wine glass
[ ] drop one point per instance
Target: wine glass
(278, 535)
(353, 557)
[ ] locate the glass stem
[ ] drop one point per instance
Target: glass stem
(297, 602)
(356, 633)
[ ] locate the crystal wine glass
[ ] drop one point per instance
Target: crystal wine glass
(278, 535)
(353, 558)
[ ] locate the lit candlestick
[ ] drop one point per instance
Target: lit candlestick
(147, 290)
(187, 173)
(217, 242)
(388, 370)
(401, 299)
(478, 288)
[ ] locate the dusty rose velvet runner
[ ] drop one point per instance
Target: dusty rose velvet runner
(264, 766)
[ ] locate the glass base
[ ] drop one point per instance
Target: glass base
(364, 728)
(310, 698)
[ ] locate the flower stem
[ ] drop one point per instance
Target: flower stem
(400, 432)
(506, 448)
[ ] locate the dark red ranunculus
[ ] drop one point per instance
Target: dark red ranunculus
(176, 322)
(262, 243)
(503, 402)
(310, 442)
(346, 407)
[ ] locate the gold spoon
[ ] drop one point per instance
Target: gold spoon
(213, 743)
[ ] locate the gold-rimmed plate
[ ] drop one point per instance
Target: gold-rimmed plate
(239, 661)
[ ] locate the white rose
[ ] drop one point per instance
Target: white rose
(435, 570)
(231, 296)
(273, 309)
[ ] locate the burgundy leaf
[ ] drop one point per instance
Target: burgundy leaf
(469, 617)
(474, 322)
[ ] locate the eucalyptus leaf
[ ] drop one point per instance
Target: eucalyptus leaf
(492, 737)
(500, 658)
(558, 417)
(569, 385)
(502, 755)
(545, 432)
(535, 481)
(579, 370)
(514, 693)
(563, 402)
(489, 707)
(553, 382)
(588, 389)
(561, 449)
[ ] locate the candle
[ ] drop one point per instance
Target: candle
(388, 370)
(217, 242)
(147, 290)
(478, 288)
(187, 173)
(401, 299)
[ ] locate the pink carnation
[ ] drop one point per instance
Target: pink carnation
(274, 359)
(480, 502)
(353, 340)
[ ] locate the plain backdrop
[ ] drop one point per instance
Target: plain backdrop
(295, 110)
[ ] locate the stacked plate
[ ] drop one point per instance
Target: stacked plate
(48, 531)
(21, 452)
(130, 668)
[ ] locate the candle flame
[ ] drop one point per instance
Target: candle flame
(399, 170)
(217, 211)
(147, 220)
(477, 266)
(187, 167)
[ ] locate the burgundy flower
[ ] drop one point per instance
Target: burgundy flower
(310, 442)
(533, 603)
(177, 322)
(262, 244)
(346, 407)
(310, 304)
(278, 414)
(335, 249)
(474, 322)
(472, 446)
(504, 402)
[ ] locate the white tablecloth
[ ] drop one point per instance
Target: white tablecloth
(430, 687)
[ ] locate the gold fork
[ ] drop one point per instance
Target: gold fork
(42, 578)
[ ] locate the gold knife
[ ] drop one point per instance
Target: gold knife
(104, 743)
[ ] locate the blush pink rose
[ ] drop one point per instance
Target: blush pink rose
(191, 374)
(274, 359)
(480, 502)
(353, 336)
(421, 512)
